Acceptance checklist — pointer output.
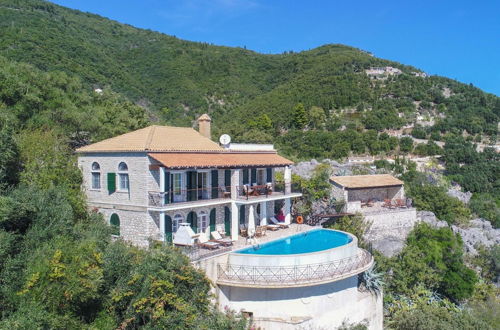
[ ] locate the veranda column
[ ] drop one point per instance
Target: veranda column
(234, 221)
(288, 180)
(263, 213)
(235, 183)
(288, 210)
(162, 185)
(162, 226)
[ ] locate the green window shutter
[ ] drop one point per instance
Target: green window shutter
(227, 179)
(215, 184)
(168, 188)
(213, 216)
(168, 229)
(193, 221)
(254, 176)
(269, 172)
(111, 182)
(245, 176)
(227, 220)
(114, 222)
(242, 215)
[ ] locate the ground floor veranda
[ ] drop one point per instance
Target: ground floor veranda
(230, 218)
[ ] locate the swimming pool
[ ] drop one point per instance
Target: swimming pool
(307, 242)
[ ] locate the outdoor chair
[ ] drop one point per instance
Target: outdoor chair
(273, 227)
(225, 193)
(243, 231)
(258, 231)
(276, 222)
(269, 188)
(221, 240)
(401, 203)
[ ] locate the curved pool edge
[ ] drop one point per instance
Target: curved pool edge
(322, 256)
(296, 276)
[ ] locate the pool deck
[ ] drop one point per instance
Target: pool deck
(243, 242)
(272, 235)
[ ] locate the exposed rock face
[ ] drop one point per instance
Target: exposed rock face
(305, 169)
(464, 197)
(479, 233)
(431, 219)
(389, 230)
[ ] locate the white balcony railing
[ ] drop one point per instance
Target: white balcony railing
(293, 276)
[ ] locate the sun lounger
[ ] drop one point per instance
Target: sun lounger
(276, 222)
(221, 240)
(273, 227)
(209, 245)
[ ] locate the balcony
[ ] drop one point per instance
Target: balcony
(177, 196)
(243, 194)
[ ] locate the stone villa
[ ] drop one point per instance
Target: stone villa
(149, 181)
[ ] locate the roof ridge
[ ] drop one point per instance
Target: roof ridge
(150, 137)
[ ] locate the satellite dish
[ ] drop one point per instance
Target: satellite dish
(225, 139)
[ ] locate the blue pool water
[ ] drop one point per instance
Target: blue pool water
(311, 241)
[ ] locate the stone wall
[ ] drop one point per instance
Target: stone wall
(389, 229)
(136, 227)
(375, 193)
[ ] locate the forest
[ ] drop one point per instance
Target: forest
(59, 267)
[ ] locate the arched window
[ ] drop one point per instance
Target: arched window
(123, 175)
(178, 218)
(203, 221)
(122, 167)
(114, 222)
(96, 176)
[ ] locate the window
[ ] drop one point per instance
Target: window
(123, 176)
(203, 221)
(114, 222)
(203, 184)
(96, 176)
(177, 183)
(261, 176)
(178, 218)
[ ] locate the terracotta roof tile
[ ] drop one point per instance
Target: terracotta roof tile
(223, 159)
(155, 138)
(367, 181)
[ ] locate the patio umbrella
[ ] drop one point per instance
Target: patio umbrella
(251, 223)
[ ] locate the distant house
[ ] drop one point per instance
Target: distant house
(360, 159)
(383, 71)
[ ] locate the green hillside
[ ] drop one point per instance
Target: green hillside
(249, 95)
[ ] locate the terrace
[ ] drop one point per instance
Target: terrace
(197, 253)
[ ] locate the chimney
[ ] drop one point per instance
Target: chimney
(204, 125)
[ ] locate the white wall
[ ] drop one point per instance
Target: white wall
(326, 305)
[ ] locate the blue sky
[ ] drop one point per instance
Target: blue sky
(458, 39)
